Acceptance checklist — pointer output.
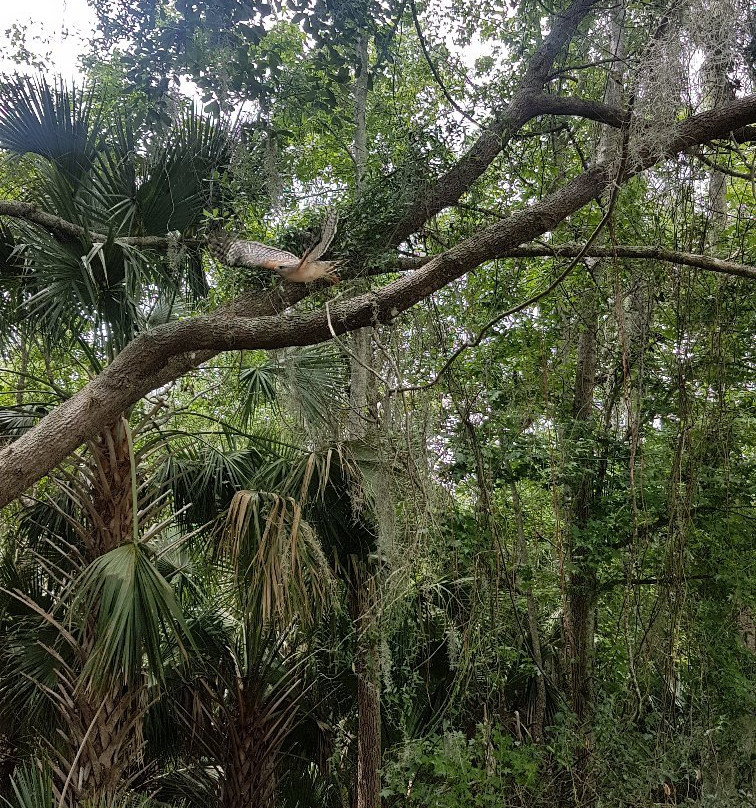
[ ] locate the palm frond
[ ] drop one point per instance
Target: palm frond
(58, 123)
(33, 648)
(279, 565)
(31, 787)
(28, 673)
(128, 800)
(328, 484)
(181, 174)
(188, 787)
(116, 176)
(310, 383)
(135, 607)
(73, 288)
(259, 385)
(203, 479)
(50, 527)
(15, 421)
(169, 305)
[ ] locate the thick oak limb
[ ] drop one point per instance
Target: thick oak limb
(135, 370)
(275, 301)
(89, 411)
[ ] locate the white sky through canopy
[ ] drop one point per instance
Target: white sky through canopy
(57, 26)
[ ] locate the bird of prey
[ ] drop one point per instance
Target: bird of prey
(235, 252)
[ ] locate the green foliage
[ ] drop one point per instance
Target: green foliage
(450, 770)
(32, 788)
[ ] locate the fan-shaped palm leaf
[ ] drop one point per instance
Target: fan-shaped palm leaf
(15, 421)
(328, 484)
(135, 608)
(181, 174)
(203, 479)
(54, 121)
(311, 382)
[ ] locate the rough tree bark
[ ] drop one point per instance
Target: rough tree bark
(103, 740)
(581, 587)
(249, 774)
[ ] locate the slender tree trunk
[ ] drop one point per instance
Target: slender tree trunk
(363, 603)
(363, 600)
(581, 589)
(581, 583)
(539, 711)
(367, 669)
(360, 112)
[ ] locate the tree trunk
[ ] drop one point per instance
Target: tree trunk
(249, 773)
(367, 669)
(363, 595)
(104, 736)
(103, 741)
(362, 74)
(539, 709)
(111, 512)
(581, 590)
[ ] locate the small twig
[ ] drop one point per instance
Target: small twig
(731, 172)
(328, 318)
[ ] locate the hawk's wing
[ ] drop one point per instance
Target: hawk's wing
(255, 254)
(326, 237)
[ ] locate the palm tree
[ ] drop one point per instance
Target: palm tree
(98, 598)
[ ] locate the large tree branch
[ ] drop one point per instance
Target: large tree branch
(523, 106)
(577, 108)
(180, 345)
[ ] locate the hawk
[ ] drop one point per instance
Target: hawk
(236, 252)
